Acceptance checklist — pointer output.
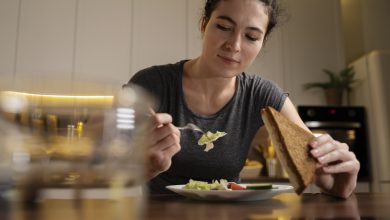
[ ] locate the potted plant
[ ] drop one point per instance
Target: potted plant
(337, 84)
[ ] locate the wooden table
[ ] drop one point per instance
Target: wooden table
(283, 206)
(175, 207)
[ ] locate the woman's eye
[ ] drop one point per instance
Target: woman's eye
(223, 28)
(252, 38)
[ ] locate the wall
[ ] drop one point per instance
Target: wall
(366, 26)
(376, 23)
(311, 41)
(351, 14)
(8, 29)
(89, 46)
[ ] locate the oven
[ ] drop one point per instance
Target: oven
(345, 124)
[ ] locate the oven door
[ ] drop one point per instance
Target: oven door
(351, 133)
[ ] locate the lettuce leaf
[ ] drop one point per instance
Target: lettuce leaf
(202, 185)
(208, 138)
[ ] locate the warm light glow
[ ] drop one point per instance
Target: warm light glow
(62, 100)
(58, 96)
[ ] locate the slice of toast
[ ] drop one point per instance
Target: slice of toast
(292, 148)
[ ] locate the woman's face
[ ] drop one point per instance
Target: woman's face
(233, 36)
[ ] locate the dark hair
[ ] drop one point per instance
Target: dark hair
(273, 12)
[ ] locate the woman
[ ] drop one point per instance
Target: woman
(213, 92)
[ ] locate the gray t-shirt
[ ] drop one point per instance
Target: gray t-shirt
(240, 118)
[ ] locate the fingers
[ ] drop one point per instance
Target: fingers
(160, 160)
(160, 119)
(162, 127)
(164, 131)
(166, 137)
(333, 156)
(329, 153)
(325, 148)
(337, 167)
(350, 166)
(164, 144)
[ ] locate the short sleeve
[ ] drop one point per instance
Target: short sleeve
(269, 93)
(150, 80)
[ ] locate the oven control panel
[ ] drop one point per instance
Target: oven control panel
(328, 113)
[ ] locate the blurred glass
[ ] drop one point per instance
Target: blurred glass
(73, 157)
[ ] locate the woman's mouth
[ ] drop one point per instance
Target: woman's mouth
(228, 59)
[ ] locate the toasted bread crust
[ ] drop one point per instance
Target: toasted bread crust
(291, 145)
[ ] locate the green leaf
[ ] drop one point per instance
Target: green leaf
(342, 80)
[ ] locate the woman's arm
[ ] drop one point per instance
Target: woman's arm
(289, 111)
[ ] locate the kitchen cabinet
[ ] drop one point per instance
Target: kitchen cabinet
(159, 31)
(103, 39)
(8, 36)
(78, 46)
(45, 45)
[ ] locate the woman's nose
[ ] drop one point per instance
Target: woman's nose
(233, 43)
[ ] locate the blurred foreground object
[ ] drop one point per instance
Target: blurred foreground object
(251, 169)
(73, 157)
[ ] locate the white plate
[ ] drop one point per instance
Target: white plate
(231, 195)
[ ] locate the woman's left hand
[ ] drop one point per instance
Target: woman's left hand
(337, 167)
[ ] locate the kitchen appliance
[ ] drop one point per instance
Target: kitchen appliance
(345, 124)
(373, 72)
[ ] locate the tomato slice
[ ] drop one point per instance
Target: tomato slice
(235, 186)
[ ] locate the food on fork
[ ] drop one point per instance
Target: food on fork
(208, 138)
(292, 148)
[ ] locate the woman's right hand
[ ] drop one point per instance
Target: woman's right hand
(164, 142)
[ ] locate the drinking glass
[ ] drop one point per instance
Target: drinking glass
(73, 157)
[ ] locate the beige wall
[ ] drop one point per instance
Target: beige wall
(85, 46)
(351, 11)
(366, 26)
(376, 23)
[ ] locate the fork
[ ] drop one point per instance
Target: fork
(191, 127)
(187, 126)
